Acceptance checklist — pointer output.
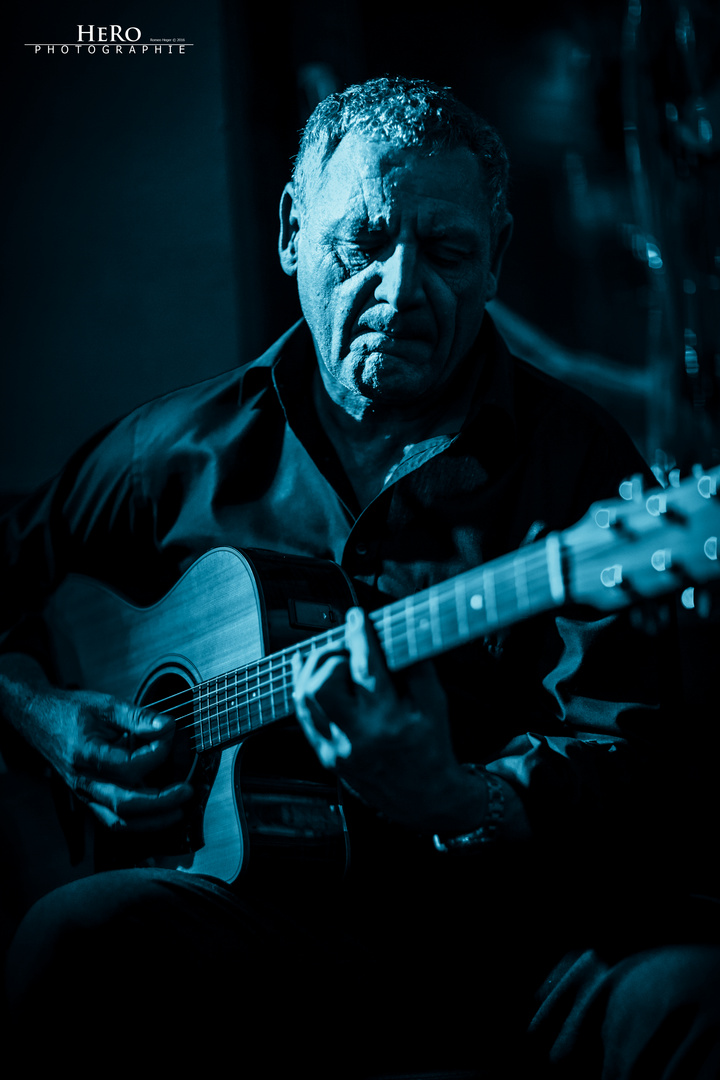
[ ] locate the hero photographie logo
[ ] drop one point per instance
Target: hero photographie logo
(113, 40)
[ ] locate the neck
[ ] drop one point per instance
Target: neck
(350, 417)
(369, 437)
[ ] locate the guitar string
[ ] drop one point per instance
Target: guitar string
(386, 621)
(252, 698)
(388, 624)
(397, 609)
(255, 695)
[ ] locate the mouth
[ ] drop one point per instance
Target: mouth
(392, 342)
(396, 332)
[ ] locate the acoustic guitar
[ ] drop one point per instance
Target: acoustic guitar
(216, 653)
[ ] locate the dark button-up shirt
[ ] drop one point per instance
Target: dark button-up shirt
(565, 707)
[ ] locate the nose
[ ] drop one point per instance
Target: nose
(399, 284)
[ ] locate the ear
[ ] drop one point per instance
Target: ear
(289, 229)
(503, 239)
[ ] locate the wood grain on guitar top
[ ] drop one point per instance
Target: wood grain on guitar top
(218, 618)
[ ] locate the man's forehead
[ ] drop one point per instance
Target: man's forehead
(370, 178)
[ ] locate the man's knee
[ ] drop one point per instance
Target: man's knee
(663, 1009)
(84, 926)
(655, 1012)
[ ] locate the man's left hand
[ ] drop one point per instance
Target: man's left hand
(387, 739)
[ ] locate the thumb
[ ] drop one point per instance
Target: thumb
(144, 723)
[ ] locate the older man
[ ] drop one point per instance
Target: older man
(492, 915)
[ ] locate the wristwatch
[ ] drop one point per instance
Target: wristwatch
(487, 832)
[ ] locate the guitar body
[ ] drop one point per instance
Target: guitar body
(261, 801)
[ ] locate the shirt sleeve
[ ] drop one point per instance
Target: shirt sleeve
(82, 521)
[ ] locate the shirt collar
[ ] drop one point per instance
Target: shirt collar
(258, 375)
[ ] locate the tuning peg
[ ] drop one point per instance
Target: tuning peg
(710, 547)
(657, 504)
(707, 486)
(631, 490)
(611, 576)
(687, 598)
(698, 600)
(605, 516)
(662, 559)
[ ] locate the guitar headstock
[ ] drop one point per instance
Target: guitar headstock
(645, 543)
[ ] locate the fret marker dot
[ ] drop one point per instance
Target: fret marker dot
(476, 602)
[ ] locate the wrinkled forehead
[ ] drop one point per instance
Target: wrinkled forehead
(376, 181)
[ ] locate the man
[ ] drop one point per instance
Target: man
(493, 917)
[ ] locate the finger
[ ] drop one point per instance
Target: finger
(142, 723)
(310, 678)
(367, 663)
(127, 804)
(134, 721)
(122, 760)
(325, 737)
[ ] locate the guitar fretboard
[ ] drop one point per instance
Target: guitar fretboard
(431, 622)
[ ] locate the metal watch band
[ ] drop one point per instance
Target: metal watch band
(487, 832)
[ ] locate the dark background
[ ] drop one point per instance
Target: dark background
(140, 198)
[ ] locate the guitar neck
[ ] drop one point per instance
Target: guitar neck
(431, 622)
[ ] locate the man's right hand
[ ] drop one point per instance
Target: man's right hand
(104, 749)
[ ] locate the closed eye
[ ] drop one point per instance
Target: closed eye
(357, 254)
(446, 256)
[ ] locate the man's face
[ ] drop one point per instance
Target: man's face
(395, 264)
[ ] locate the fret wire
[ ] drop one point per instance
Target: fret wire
(259, 696)
(410, 628)
(383, 632)
(489, 594)
(252, 694)
(521, 585)
(208, 712)
(213, 709)
(286, 706)
(214, 717)
(196, 690)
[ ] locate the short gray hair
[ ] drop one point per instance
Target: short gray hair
(406, 112)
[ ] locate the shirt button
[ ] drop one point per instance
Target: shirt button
(361, 549)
